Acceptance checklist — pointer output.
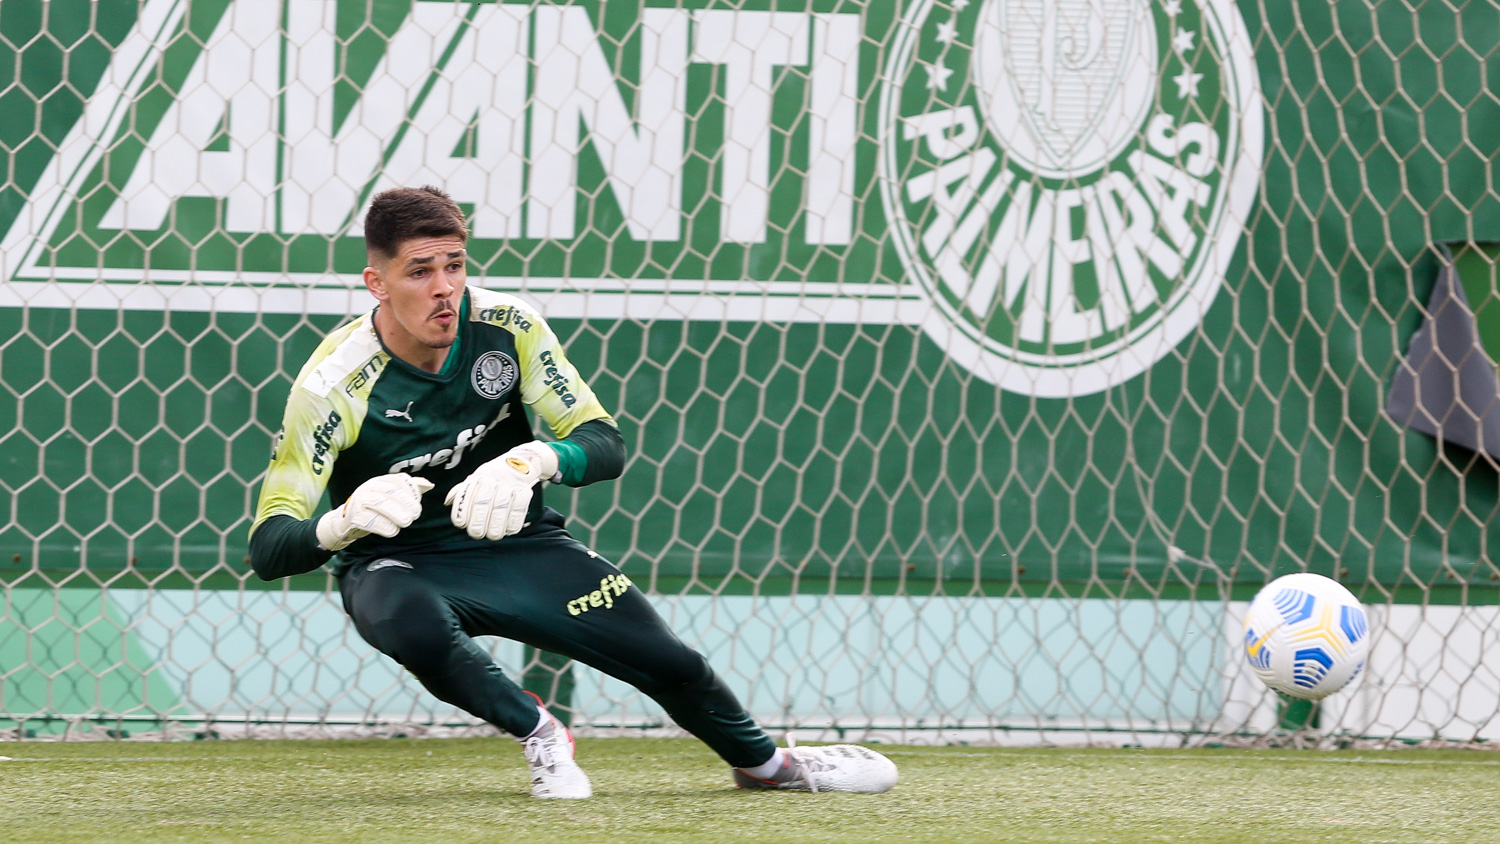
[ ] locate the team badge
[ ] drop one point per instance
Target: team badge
(1067, 181)
(494, 374)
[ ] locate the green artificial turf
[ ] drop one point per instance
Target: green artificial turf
(669, 790)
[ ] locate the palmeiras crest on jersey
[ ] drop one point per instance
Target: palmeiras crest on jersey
(1068, 180)
(494, 374)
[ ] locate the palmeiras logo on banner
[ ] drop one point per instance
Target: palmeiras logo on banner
(1068, 180)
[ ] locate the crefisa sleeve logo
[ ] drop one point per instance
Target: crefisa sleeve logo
(1068, 180)
(494, 374)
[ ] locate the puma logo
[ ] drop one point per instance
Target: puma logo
(401, 414)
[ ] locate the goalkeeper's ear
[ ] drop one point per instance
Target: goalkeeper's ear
(375, 281)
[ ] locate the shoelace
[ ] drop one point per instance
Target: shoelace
(540, 750)
(806, 763)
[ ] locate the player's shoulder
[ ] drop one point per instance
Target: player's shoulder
(505, 310)
(348, 361)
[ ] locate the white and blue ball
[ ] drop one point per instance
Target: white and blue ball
(1306, 636)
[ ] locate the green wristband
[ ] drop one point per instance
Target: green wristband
(572, 461)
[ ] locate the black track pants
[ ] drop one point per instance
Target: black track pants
(545, 589)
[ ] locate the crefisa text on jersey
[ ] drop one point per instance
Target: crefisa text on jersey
(450, 457)
(556, 380)
(505, 316)
(323, 439)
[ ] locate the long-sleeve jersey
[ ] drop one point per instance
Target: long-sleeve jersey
(356, 411)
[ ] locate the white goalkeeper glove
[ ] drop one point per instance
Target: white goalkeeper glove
(491, 503)
(382, 505)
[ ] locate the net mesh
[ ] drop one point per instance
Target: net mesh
(979, 361)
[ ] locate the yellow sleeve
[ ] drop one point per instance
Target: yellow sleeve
(323, 416)
(550, 384)
(302, 456)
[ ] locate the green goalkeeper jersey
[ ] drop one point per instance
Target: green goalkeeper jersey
(356, 412)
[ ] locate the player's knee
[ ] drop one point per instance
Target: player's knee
(419, 644)
(683, 671)
(411, 629)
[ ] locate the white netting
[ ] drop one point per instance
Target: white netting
(978, 360)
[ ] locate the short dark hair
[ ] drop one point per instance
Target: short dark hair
(400, 214)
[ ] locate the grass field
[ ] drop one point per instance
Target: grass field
(670, 790)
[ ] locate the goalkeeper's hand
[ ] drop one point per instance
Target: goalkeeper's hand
(382, 505)
(491, 503)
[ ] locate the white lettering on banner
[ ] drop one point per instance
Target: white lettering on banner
(444, 106)
(1068, 211)
(749, 46)
(1039, 243)
(575, 82)
(1063, 213)
(951, 187)
(467, 133)
(328, 167)
(831, 128)
(946, 133)
(228, 100)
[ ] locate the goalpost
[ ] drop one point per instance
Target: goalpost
(979, 359)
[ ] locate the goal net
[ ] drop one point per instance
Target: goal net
(979, 359)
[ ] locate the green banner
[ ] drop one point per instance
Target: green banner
(922, 297)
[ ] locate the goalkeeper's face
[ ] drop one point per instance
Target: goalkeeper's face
(420, 291)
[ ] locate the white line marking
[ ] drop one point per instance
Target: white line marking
(1239, 755)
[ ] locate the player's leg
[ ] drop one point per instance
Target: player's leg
(544, 588)
(627, 639)
(405, 616)
(561, 597)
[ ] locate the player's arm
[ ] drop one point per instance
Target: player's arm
(594, 451)
(285, 538)
(281, 546)
(493, 501)
(589, 446)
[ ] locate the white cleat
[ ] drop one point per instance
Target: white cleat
(554, 774)
(838, 767)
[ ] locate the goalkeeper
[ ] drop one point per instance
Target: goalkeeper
(414, 418)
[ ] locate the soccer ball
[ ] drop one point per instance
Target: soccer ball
(1306, 636)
